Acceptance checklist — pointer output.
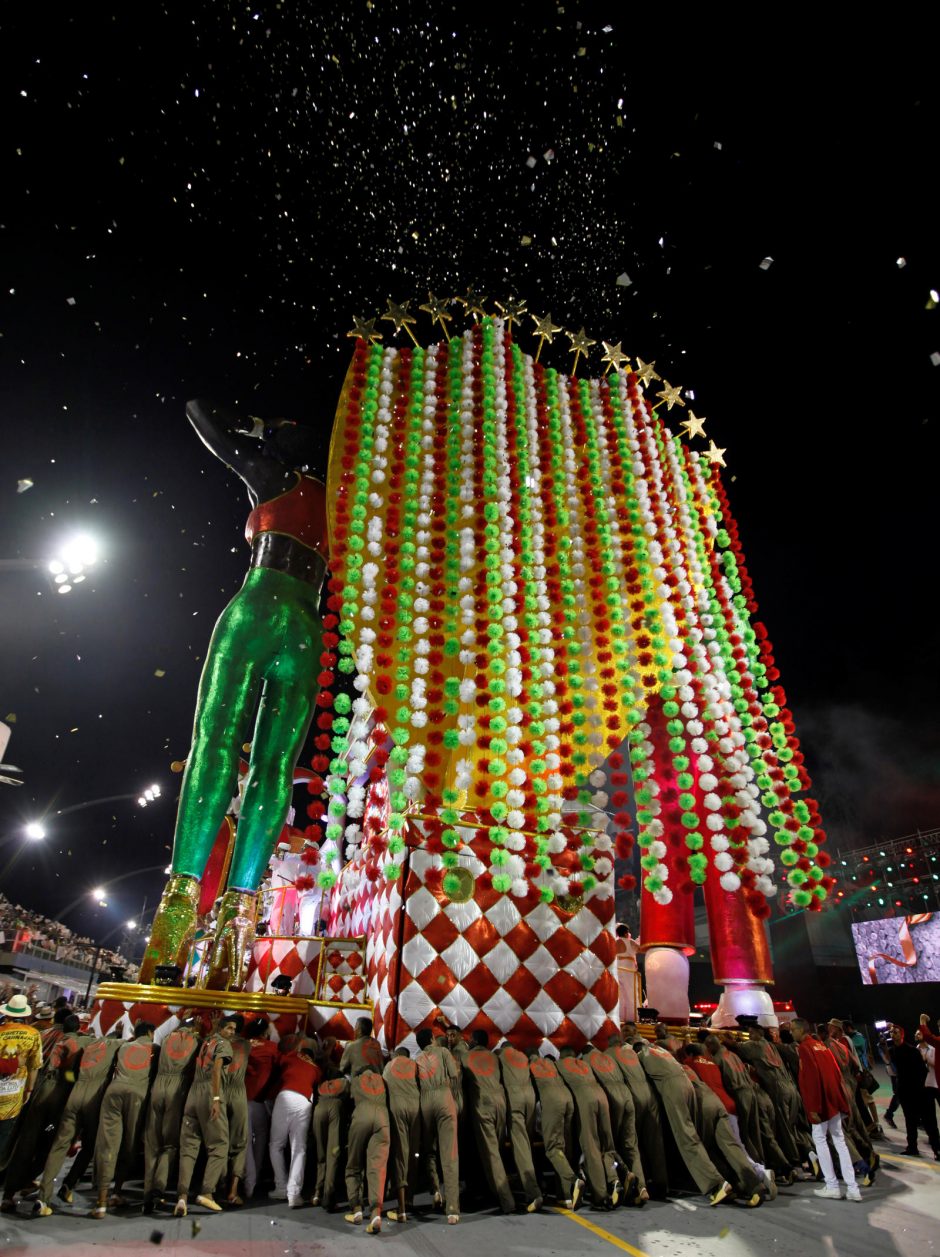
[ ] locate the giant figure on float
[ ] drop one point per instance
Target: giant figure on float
(262, 665)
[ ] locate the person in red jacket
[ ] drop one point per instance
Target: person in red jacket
(262, 1059)
(825, 1102)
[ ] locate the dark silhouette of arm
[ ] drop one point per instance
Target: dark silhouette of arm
(233, 441)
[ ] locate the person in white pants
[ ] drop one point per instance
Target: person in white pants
(825, 1102)
(290, 1123)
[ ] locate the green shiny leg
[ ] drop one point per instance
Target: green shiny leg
(268, 635)
(284, 716)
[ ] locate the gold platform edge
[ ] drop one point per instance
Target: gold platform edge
(229, 1001)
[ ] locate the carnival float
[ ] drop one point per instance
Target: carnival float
(542, 680)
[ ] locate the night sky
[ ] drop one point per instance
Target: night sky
(197, 199)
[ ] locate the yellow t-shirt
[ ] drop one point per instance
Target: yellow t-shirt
(24, 1043)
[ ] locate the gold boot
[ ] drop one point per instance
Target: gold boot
(174, 926)
(234, 934)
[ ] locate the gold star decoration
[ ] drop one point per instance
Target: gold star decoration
(364, 329)
(580, 344)
(693, 426)
(437, 308)
(647, 371)
(715, 455)
(614, 357)
(398, 314)
(512, 311)
(545, 329)
(670, 395)
(472, 303)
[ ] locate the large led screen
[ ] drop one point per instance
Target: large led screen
(899, 949)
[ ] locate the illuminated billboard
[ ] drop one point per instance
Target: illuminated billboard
(898, 949)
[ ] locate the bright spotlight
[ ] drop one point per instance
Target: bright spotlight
(56, 567)
(80, 551)
(63, 589)
(132, 925)
(156, 791)
(35, 831)
(141, 802)
(99, 893)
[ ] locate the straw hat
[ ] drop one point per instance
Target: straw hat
(17, 1007)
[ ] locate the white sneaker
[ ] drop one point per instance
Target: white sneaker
(853, 1193)
(828, 1193)
(771, 1182)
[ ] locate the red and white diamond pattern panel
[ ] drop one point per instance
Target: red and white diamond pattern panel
(350, 908)
(515, 967)
(343, 975)
(382, 960)
(338, 1021)
(296, 958)
(107, 1014)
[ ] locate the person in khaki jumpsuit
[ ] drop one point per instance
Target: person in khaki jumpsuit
(436, 1069)
(647, 1116)
(557, 1112)
(47, 1105)
(329, 1121)
(593, 1123)
(487, 1114)
(736, 1080)
(711, 1121)
(367, 1153)
(79, 1120)
(774, 1077)
(622, 1122)
(678, 1098)
(205, 1120)
(404, 1110)
(362, 1052)
(235, 1099)
(165, 1114)
(521, 1095)
(119, 1124)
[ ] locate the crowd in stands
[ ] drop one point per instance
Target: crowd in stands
(22, 930)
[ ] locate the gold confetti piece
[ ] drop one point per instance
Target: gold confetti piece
(75, 730)
(10, 717)
(159, 672)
